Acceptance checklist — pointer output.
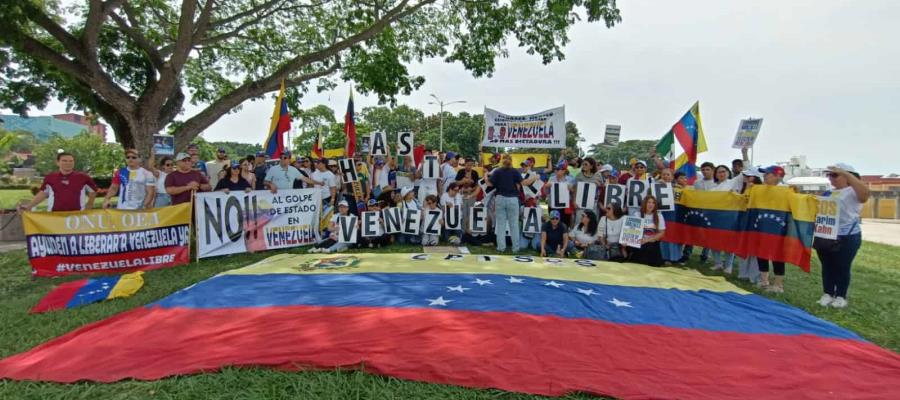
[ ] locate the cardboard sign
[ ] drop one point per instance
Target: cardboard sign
(637, 190)
(378, 144)
(615, 194)
(433, 222)
(347, 229)
(164, 145)
(632, 232)
(747, 132)
(431, 168)
(559, 195)
(531, 222)
(665, 196)
(585, 195)
(828, 218)
(611, 137)
(534, 189)
(370, 225)
(453, 218)
(405, 143)
(348, 170)
(412, 219)
(478, 220)
(393, 220)
(484, 187)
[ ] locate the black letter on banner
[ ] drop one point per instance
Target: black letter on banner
(433, 222)
(430, 168)
(477, 222)
(559, 195)
(231, 204)
(665, 196)
(348, 169)
(370, 224)
(526, 259)
(532, 223)
(392, 220)
(379, 144)
(615, 194)
(484, 188)
(453, 257)
(405, 143)
(637, 189)
(411, 221)
(452, 219)
(586, 195)
(347, 229)
(213, 220)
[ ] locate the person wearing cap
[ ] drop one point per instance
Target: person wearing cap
(529, 177)
(135, 186)
(233, 180)
(283, 175)
(259, 169)
(64, 188)
(377, 241)
(554, 236)
(182, 182)
(197, 164)
(408, 201)
(772, 176)
(507, 183)
(381, 172)
(331, 244)
(217, 168)
(561, 175)
(851, 193)
(448, 170)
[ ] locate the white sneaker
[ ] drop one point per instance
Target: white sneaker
(825, 300)
(313, 250)
(729, 270)
(775, 289)
(839, 302)
(718, 267)
(326, 251)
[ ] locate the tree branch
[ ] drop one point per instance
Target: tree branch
(69, 42)
(139, 39)
(97, 12)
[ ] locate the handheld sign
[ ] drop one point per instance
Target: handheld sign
(347, 229)
(585, 195)
(433, 222)
(637, 190)
(477, 220)
(827, 218)
(559, 195)
(348, 170)
(632, 232)
(484, 187)
(411, 221)
(430, 168)
(453, 218)
(665, 196)
(393, 222)
(748, 130)
(370, 225)
(532, 220)
(615, 194)
(379, 144)
(534, 189)
(405, 143)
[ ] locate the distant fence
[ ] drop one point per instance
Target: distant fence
(882, 205)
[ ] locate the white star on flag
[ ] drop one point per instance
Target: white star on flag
(620, 303)
(513, 279)
(457, 288)
(586, 292)
(480, 282)
(438, 301)
(554, 284)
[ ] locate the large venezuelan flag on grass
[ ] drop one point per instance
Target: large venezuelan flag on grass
(771, 222)
(524, 324)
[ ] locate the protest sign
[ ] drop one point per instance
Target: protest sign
(453, 218)
(665, 196)
(637, 190)
(532, 190)
(432, 224)
(748, 130)
(585, 195)
(393, 220)
(431, 168)
(632, 232)
(827, 218)
(611, 137)
(559, 195)
(478, 220)
(615, 194)
(370, 225)
(546, 129)
(412, 219)
(531, 222)
(348, 170)
(405, 141)
(164, 145)
(378, 144)
(347, 229)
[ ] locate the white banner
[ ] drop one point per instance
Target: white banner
(240, 222)
(748, 130)
(546, 129)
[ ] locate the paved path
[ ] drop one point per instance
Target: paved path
(885, 231)
(10, 246)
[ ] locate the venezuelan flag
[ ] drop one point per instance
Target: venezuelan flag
(281, 123)
(709, 219)
(525, 324)
(780, 225)
(86, 291)
(688, 133)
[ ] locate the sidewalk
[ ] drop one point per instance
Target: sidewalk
(885, 231)
(10, 246)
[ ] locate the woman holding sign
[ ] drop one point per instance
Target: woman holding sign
(850, 193)
(654, 229)
(590, 174)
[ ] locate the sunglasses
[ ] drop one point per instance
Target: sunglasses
(831, 175)
(132, 157)
(168, 164)
(640, 167)
(285, 157)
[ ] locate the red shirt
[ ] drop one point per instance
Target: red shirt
(178, 178)
(65, 190)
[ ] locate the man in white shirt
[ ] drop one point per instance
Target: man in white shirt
(708, 170)
(134, 185)
(448, 170)
(217, 169)
(325, 181)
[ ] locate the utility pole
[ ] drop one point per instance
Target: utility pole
(441, 104)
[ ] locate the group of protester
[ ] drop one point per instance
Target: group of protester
(505, 192)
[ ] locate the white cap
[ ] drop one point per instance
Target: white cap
(606, 168)
(405, 191)
(846, 167)
(343, 203)
(752, 172)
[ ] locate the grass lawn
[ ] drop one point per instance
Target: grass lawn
(9, 198)
(874, 313)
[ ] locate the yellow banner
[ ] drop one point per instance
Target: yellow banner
(540, 159)
(332, 153)
(101, 221)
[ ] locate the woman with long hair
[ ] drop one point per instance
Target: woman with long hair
(166, 166)
(233, 180)
(609, 229)
(585, 233)
(247, 171)
(654, 229)
(589, 173)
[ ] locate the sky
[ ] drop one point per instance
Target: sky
(824, 75)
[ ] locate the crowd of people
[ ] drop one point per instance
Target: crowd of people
(504, 190)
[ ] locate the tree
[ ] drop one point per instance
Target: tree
(620, 155)
(311, 121)
(92, 154)
(136, 62)
(237, 150)
(402, 118)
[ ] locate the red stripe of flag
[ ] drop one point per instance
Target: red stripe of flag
(59, 297)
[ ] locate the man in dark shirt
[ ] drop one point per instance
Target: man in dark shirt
(64, 187)
(182, 182)
(260, 169)
(506, 203)
(467, 175)
(554, 236)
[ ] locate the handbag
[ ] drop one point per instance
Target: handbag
(830, 245)
(596, 252)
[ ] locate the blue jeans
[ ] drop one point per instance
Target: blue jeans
(534, 242)
(726, 259)
(671, 252)
(162, 200)
(506, 210)
(836, 265)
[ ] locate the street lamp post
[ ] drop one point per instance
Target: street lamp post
(442, 104)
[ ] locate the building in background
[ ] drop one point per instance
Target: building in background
(42, 127)
(85, 120)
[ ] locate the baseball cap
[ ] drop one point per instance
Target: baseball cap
(235, 164)
(221, 150)
(332, 163)
(379, 162)
(562, 165)
(450, 155)
(343, 203)
(607, 168)
(182, 156)
(554, 214)
(751, 172)
(260, 154)
(846, 167)
(192, 146)
(642, 162)
(774, 170)
(405, 191)
(372, 202)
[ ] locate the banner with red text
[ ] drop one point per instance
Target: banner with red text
(546, 129)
